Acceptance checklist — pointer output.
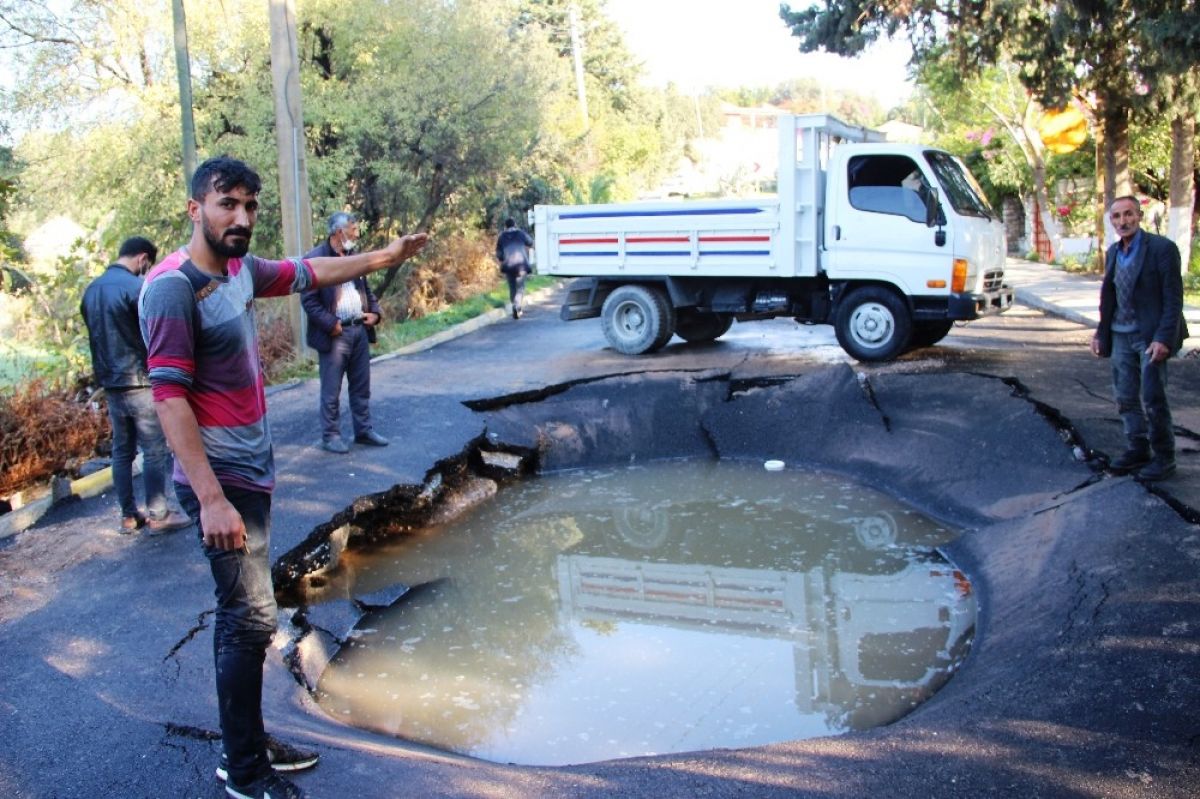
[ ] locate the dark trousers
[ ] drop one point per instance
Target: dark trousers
(1140, 388)
(516, 286)
(245, 624)
(134, 422)
(349, 356)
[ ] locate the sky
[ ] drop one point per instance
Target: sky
(699, 43)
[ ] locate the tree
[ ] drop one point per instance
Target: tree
(1100, 52)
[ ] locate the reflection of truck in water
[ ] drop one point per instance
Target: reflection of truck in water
(890, 243)
(851, 634)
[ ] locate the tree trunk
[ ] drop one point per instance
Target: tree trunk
(1181, 199)
(1116, 157)
(1101, 205)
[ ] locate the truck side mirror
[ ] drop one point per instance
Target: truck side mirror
(933, 217)
(931, 207)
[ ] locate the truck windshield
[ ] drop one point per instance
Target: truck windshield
(959, 184)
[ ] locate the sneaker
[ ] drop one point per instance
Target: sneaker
(335, 445)
(371, 439)
(131, 524)
(1158, 469)
(270, 787)
(282, 756)
(1130, 460)
(172, 521)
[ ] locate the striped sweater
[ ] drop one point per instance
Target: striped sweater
(207, 351)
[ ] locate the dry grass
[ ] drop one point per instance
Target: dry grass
(453, 269)
(45, 430)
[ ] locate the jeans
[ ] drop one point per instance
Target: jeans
(134, 421)
(1140, 388)
(245, 624)
(349, 355)
(516, 287)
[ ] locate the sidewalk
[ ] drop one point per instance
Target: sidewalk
(1073, 297)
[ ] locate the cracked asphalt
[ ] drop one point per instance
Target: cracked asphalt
(1084, 680)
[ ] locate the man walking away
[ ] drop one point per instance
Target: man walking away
(198, 320)
(512, 251)
(109, 309)
(341, 324)
(1141, 326)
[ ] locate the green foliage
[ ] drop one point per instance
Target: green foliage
(50, 315)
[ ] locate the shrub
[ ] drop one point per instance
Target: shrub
(451, 270)
(45, 430)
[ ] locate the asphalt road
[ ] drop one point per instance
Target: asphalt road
(1083, 681)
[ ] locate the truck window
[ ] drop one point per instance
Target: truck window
(959, 184)
(888, 184)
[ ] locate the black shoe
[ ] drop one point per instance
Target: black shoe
(283, 757)
(1159, 469)
(371, 439)
(516, 312)
(1130, 460)
(269, 787)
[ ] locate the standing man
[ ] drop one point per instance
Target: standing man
(198, 321)
(109, 309)
(1141, 326)
(341, 326)
(512, 251)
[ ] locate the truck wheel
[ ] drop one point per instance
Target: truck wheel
(636, 319)
(701, 326)
(873, 324)
(926, 334)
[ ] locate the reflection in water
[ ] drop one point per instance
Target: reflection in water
(664, 608)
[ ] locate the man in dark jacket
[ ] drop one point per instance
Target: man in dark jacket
(512, 251)
(341, 322)
(1141, 326)
(109, 309)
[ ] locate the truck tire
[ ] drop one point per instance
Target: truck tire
(637, 319)
(873, 324)
(926, 334)
(702, 326)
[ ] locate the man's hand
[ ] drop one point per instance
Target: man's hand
(337, 329)
(222, 524)
(405, 247)
(1157, 351)
(1096, 346)
(370, 319)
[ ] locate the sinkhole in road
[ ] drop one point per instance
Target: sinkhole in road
(674, 606)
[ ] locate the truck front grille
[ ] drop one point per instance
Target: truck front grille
(993, 280)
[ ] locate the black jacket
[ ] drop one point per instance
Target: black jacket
(512, 250)
(321, 303)
(109, 309)
(1157, 294)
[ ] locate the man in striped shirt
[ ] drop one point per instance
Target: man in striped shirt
(197, 316)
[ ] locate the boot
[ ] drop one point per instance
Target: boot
(1162, 467)
(1135, 457)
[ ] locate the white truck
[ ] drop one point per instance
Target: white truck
(890, 243)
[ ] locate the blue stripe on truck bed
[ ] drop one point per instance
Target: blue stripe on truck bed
(683, 212)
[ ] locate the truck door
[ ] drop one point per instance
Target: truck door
(876, 224)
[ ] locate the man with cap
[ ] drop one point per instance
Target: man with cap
(341, 322)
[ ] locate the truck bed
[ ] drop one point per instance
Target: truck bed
(718, 238)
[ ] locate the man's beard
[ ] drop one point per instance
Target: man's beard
(217, 243)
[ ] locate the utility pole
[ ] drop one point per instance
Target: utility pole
(295, 207)
(577, 53)
(183, 69)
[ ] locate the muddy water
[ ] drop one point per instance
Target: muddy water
(678, 606)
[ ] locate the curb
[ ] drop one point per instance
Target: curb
(24, 517)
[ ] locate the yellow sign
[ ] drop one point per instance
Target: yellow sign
(1062, 131)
